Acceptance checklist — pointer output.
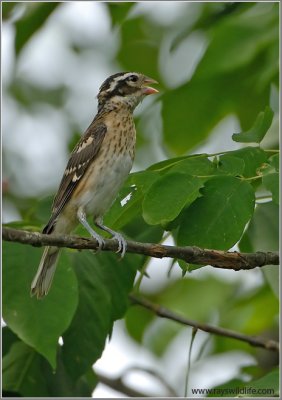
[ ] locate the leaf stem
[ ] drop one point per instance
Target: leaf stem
(206, 155)
(267, 197)
(194, 331)
(272, 150)
(252, 178)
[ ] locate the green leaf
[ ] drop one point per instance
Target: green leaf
(270, 176)
(262, 234)
(143, 179)
(258, 130)
(179, 297)
(231, 69)
(267, 385)
(137, 320)
(211, 14)
(187, 267)
(218, 218)
(229, 165)
(166, 164)
(253, 158)
(193, 101)
(168, 196)
(61, 384)
(274, 161)
(8, 9)
(251, 313)
(200, 102)
(157, 343)
(29, 374)
(84, 341)
(140, 231)
(236, 41)
(138, 46)
(263, 230)
(184, 266)
(119, 11)
(21, 372)
(35, 16)
(195, 166)
(254, 312)
(8, 339)
(271, 182)
(120, 215)
(86, 384)
(104, 283)
(39, 323)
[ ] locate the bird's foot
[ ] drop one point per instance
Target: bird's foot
(82, 218)
(100, 241)
(122, 245)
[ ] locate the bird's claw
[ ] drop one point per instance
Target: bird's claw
(122, 245)
(100, 242)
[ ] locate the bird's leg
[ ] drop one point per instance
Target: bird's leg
(82, 219)
(122, 245)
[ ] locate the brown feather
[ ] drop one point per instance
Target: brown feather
(82, 155)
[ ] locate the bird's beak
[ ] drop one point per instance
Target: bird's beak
(147, 89)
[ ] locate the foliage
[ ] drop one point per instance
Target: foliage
(206, 200)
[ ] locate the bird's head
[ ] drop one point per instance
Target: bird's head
(127, 88)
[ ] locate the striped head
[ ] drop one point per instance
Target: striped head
(127, 88)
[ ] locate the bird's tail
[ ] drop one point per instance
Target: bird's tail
(44, 275)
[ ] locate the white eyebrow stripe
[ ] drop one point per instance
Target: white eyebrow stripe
(118, 79)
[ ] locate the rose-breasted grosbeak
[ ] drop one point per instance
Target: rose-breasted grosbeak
(96, 170)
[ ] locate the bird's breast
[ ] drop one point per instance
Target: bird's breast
(107, 173)
(104, 182)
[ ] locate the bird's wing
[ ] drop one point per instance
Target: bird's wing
(82, 155)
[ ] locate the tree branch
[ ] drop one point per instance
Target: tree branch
(118, 385)
(190, 254)
(166, 313)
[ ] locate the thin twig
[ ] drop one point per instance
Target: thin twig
(188, 370)
(118, 385)
(154, 374)
(166, 313)
(190, 254)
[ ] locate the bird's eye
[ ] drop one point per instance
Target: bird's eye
(133, 78)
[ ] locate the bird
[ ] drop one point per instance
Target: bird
(97, 168)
